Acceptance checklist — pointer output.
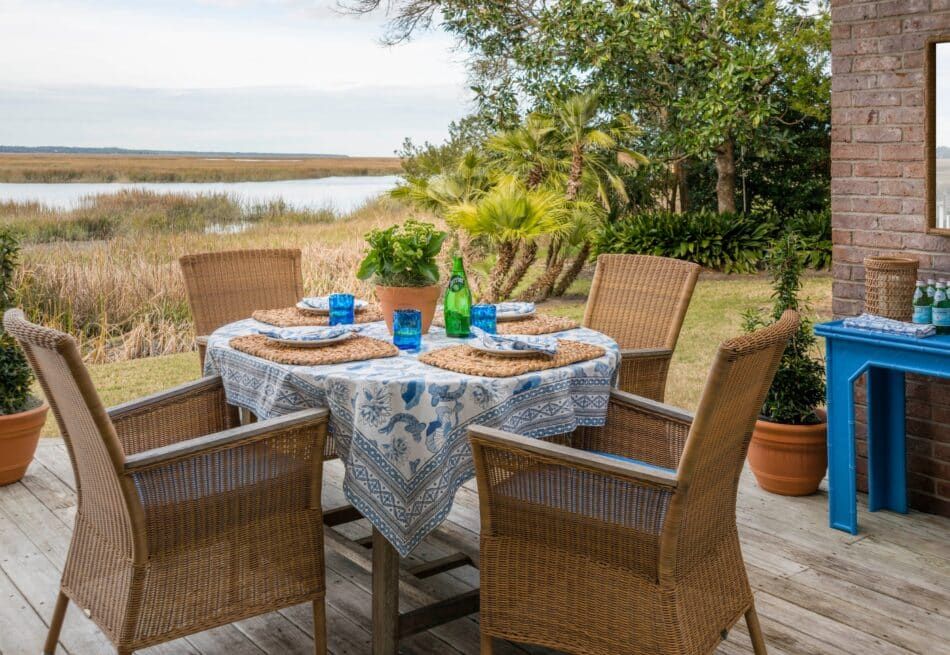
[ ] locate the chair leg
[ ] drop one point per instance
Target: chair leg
(755, 632)
(487, 648)
(319, 627)
(56, 624)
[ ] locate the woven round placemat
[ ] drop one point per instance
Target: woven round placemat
(467, 360)
(351, 350)
(293, 317)
(532, 325)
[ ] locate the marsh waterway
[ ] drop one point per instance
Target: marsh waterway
(341, 194)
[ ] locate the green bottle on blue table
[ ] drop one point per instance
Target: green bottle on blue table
(457, 305)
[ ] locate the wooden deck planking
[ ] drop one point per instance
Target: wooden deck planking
(818, 591)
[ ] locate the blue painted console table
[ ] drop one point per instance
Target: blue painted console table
(885, 358)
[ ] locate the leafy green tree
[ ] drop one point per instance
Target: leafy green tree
(15, 373)
(704, 78)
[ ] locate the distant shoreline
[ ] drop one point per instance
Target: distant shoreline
(48, 167)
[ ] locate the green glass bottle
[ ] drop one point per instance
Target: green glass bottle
(931, 290)
(941, 309)
(457, 305)
(923, 305)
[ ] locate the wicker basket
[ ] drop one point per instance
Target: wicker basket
(889, 286)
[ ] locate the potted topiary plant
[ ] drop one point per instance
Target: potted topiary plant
(402, 262)
(21, 415)
(788, 453)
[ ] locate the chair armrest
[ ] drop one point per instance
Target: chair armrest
(651, 407)
(575, 458)
(645, 353)
(242, 435)
(644, 371)
(639, 428)
(190, 410)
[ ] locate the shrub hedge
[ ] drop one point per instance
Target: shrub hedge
(731, 243)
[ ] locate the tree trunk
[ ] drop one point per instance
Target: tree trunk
(542, 287)
(577, 172)
(496, 281)
(726, 177)
(535, 177)
(529, 253)
(571, 273)
(681, 182)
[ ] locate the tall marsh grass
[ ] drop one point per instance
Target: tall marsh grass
(119, 289)
(169, 168)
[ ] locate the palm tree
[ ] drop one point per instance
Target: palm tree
(592, 152)
(528, 152)
(510, 216)
(470, 179)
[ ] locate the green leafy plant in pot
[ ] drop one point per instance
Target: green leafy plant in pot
(21, 415)
(402, 262)
(788, 453)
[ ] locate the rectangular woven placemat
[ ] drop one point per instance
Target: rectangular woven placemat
(467, 360)
(532, 325)
(294, 317)
(351, 350)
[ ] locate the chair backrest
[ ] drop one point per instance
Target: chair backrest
(94, 448)
(640, 300)
(228, 286)
(702, 512)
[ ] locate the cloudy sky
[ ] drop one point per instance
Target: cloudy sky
(237, 75)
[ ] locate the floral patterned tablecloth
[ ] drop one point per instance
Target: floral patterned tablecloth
(400, 425)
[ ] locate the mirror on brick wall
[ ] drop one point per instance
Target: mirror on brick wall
(938, 134)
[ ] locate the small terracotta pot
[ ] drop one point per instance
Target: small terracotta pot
(19, 434)
(422, 298)
(789, 460)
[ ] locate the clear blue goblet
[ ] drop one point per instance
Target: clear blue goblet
(407, 329)
(341, 309)
(485, 317)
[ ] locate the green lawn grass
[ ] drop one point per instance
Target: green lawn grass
(715, 314)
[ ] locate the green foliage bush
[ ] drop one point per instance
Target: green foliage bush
(403, 255)
(798, 388)
(15, 373)
(731, 243)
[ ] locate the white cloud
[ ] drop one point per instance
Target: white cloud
(295, 48)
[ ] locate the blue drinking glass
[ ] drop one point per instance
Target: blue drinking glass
(341, 309)
(485, 317)
(407, 329)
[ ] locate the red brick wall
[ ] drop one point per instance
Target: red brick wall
(877, 195)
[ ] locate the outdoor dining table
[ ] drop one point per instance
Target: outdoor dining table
(400, 429)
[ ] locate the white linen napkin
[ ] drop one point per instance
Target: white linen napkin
(511, 342)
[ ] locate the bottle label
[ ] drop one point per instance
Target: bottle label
(457, 283)
(923, 314)
(941, 316)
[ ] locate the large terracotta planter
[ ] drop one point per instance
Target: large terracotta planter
(19, 434)
(422, 298)
(789, 460)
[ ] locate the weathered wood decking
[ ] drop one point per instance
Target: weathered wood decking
(885, 591)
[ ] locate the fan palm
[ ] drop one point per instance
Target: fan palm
(528, 152)
(510, 216)
(592, 152)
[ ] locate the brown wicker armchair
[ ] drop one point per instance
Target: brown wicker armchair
(633, 548)
(640, 302)
(186, 521)
(227, 286)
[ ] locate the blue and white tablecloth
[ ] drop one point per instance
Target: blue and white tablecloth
(401, 426)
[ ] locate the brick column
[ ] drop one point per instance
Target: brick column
(877, 196)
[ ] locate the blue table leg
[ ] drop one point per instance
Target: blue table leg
(887, 474)
(842, 498)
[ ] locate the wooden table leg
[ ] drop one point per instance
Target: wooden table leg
(385, 596)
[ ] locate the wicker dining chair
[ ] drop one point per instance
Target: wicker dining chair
(185, 520)
(628, 544)
(640, 302)
(228, 286)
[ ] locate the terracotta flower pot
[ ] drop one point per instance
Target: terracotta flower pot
(789, 460)
(19, 434)
(422, 298)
